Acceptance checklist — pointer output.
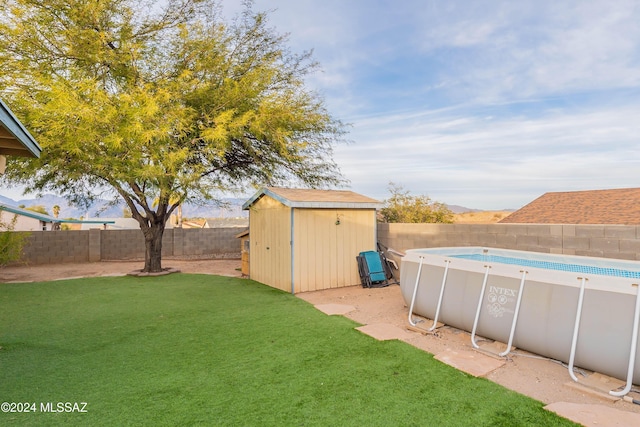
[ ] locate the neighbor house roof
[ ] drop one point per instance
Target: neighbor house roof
(14, 138)
(226, 222)
(242, 234)
(48, 218)
(618, 206)
(307, 198)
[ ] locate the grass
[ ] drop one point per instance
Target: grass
(206, 350)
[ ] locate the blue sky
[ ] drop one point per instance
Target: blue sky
(485, 104)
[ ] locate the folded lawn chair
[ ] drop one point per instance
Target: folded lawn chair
(374, 270)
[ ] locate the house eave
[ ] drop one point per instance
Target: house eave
(16, 141)
(49, 219)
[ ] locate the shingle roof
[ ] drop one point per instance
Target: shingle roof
(618, 206)
(309, 198)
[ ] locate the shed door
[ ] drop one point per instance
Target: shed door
(326, 243)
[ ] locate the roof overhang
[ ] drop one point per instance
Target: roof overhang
(313, 204)
(46, 218)
(15, 140)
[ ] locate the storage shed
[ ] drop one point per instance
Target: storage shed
(305, 240)
(244, 251)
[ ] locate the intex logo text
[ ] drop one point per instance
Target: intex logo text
(502, 291)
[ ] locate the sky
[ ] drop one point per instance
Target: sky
(483, 104)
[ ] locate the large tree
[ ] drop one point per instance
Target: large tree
(158, 103)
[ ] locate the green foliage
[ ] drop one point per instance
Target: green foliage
(38, 209)
(159, 101)
(405, 208)
(11, 242)
(190, 350)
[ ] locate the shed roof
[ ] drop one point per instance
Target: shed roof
(14, 138)
(48, 218)
(310, 198)
(617, 206)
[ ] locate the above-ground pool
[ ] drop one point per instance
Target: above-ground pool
(583, 311)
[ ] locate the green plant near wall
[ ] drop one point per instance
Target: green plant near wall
(406, 208)
(11, 242)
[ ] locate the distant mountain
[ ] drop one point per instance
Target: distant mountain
(232, 208)
(6, 201)
(456, 209)
(103, 209)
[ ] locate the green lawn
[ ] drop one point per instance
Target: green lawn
(185, 350)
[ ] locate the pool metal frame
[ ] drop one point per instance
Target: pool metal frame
(446, 253)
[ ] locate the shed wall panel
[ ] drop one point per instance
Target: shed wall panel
(270, 242)
(326, 243)
(357, 233)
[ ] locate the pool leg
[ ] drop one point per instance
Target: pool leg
(475, 322)
(444, 282)
(415, 292)
(515, 314)
(576, 328)
(634, 344)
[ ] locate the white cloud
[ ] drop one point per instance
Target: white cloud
(498, 163)
(560, 47)
(487, 104)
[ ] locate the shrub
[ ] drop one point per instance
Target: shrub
(11, 243)
(405, 208)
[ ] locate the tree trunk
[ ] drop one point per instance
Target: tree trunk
(153, 248)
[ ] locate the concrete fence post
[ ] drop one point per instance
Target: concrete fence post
(95, 245)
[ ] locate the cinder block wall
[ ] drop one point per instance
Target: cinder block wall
(47, 247)
(209, 241)
(52, 247)
(123, 244)
(608, 241)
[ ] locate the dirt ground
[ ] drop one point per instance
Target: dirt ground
(38, 273)
(541, 379)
